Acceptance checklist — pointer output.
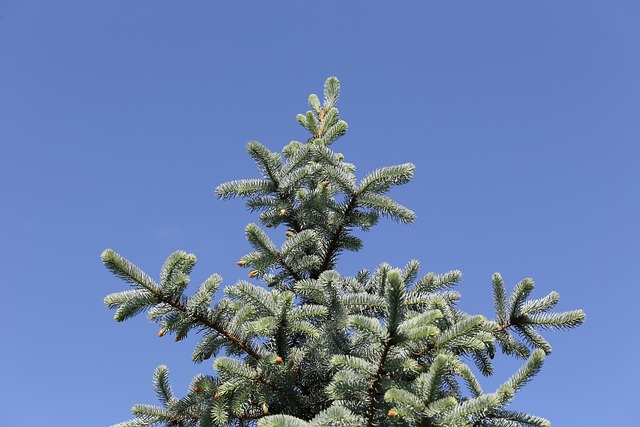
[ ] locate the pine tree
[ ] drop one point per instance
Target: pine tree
(310, 347)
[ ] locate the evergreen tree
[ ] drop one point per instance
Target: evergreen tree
(310, 347)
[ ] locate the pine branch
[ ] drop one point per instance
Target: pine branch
(500, 299)
(527, 372)
(375, 387)
(269, 163)
(162, 386)
(130, 273)
(333, 246)
(212, 325)
(283, 262)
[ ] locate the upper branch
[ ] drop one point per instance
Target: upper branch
(335, 239)
(207, 322)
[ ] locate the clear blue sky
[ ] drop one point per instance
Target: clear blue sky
(118, 119)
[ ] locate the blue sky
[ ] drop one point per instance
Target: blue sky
(118, 119)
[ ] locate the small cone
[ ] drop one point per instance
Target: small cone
(240, 263)
(161, 333)
(197, 389)
(283, 212)
(325, 184)
(217, 396)
(252, 274)
(391, 413)
(278, 360)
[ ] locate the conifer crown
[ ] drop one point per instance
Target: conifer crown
(309, 347)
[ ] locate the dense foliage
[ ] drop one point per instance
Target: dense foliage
(299, 344)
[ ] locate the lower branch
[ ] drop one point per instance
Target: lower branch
(375, 387)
